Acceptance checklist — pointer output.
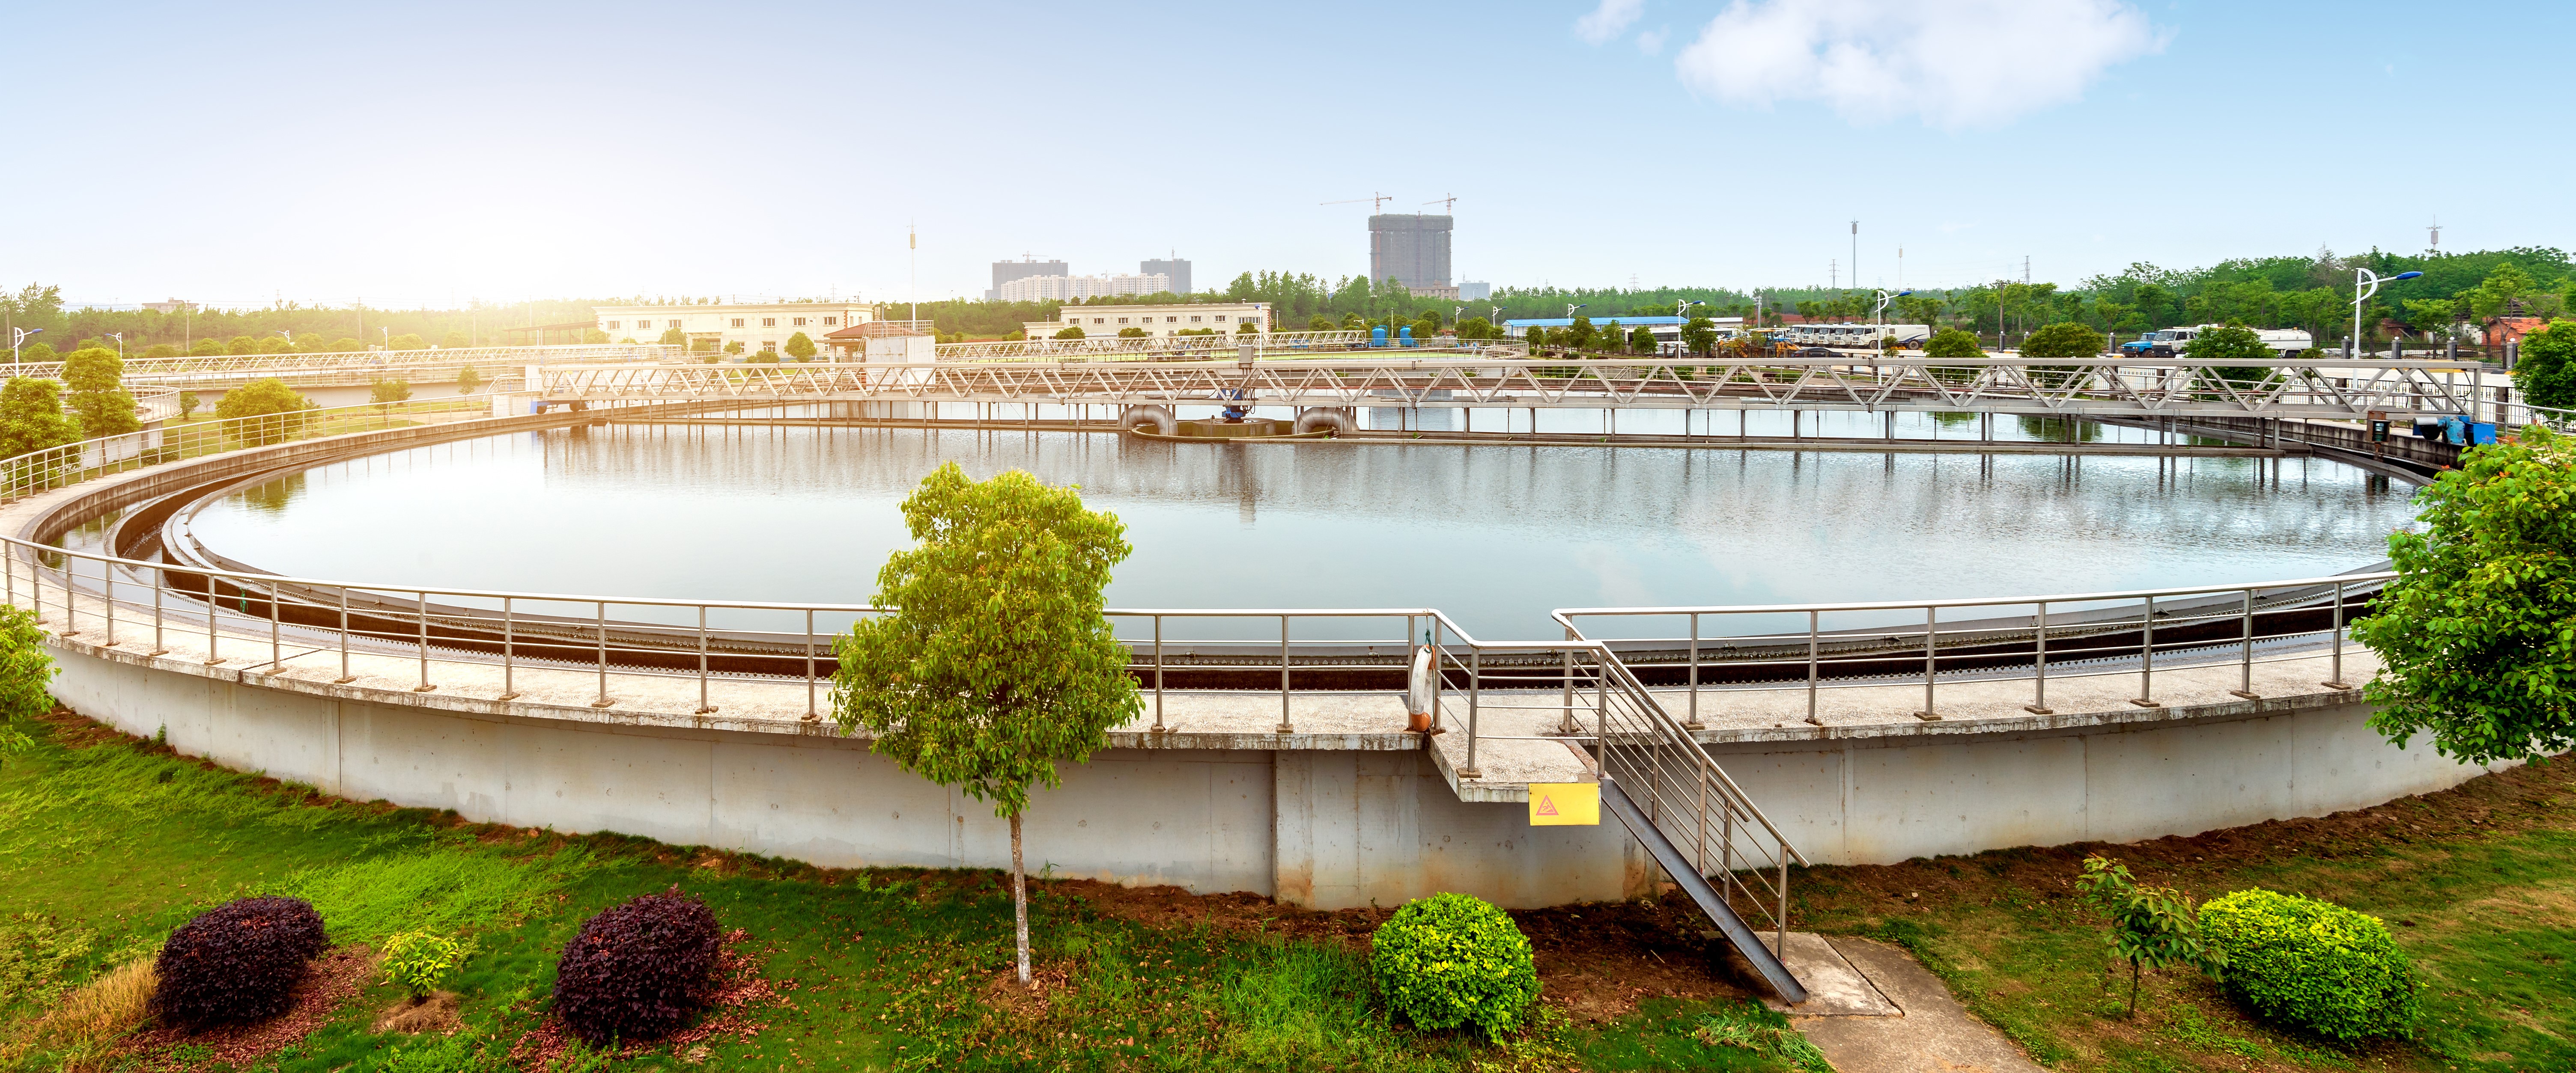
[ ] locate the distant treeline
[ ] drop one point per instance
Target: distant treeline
(2312, 292)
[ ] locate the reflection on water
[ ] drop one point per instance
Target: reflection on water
(1493, 535)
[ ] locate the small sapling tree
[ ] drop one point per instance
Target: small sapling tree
(25, 668)
(2151, 927)
(95, 377)
(2547, 372)
(2474, 637)
(995, 663)
(187, 404)
(2248, 357)
(800, 347)
(468, 379)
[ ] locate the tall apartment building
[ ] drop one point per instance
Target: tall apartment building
(1063, 288)
(1414, 248)
(1006, 271)
(1176, 268)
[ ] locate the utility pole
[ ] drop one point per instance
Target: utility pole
(1833, 275)
(912, 241)
(1855, 253)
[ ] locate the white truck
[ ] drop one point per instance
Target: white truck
(2286, 342)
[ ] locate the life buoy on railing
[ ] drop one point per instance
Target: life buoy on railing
(1160, 420)
(1420, 689)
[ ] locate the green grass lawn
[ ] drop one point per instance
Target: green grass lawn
(2478, 884)
(107, 843)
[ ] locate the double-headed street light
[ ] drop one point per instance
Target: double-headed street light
(2364, 284)
(17, 341)
(1878, 319)
(120, 343)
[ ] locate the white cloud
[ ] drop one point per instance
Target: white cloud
(1953, 63)
(1608, 20)
(1652, 41)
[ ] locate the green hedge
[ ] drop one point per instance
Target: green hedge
(2313, 965)
(1451, 960)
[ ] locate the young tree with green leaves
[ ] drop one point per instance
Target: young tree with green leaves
(2546, 373)
(450, 341)
(2151, 927)
(32, 417)
(468, 379)
(1953, 343)
(265, 411)
(800, 347)
(25, 669)
(2477, 635)
(1642, 341)
(1579, 334)
(995, 663)
(96, 379)
(2249, 358)
(407, 341)
(1699, 335)
(2063, 340)
(187, 404)
(385, 393)
(673, 337)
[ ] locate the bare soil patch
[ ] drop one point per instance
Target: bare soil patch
(435, 1012)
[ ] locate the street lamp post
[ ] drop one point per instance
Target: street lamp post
(17, 342)
(120, 344)
(1878, 320)
(2364, 284)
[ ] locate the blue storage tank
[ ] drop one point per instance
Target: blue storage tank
(1377, 336)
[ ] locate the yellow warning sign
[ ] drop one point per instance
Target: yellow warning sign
(1565, 804)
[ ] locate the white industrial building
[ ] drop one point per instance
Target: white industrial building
(757, 326)
(1225, 318)
(1077, 288)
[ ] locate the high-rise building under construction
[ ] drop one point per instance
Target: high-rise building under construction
(1414, 249)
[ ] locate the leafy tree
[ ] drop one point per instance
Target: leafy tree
(733, 347)
(468, 379)
(1579, 334)
(764, 357)
(1069, 333)
(205, 348)
(242, 344)
(187, 404)
(1642, 341)
(407, 341)
(2060, 341)
(385, 393)
(2497, 293)
(996, 663)
(272, 344)
(672, 337)
(2546, 372)
(96, 377)
(1247, 328)
(264, 411)
(1537, 338)
(32, 417)
(2250, 359)
(161, 350)
(2151, 927)
(36, 352)
(1699, 334)
(25, 667)
(593, 336)
(346, 345)
(2477, 635)
(800, 347)
(1131, 333)
(1319, 324)
(453, 340)
(2433, 315)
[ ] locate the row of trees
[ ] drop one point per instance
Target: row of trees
(41, 306)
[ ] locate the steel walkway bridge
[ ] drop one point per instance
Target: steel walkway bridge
(2327, 389)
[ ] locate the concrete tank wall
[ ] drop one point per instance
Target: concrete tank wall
(1325, 829)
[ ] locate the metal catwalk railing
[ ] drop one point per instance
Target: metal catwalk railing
(2043, 387)
(138, 370)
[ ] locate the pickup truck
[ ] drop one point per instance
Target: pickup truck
(2286, 342)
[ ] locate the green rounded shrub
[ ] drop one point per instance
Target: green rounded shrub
(2313, 965)
(1451, 960)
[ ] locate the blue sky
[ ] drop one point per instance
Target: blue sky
(425, 154)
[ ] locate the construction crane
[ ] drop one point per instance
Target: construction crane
(1376, 202)
(1447, 204)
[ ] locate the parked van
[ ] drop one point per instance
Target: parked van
(2286, 342)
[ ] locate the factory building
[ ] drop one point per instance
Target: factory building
(757, 326)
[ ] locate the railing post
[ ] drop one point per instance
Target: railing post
(1931, 662)
(2039, 698)
(811, 715)
(420, 602)
(107, 578)
(1286, 726)
(276, 651)
(2146, 697)
(345, 677)
(2245, 661)
(1693, 722)
(509, 646)
(1781, 942)
(2336, 680)
(213, 609)
(600, 609)
(1565, 717)
(1439, 671)
(1811, 669)
(703, 706)
(1158, 674)
(1475, 685)
(159, 577)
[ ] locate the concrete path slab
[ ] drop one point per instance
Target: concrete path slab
(1924, 1029)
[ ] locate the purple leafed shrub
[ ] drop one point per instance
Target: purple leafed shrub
(236, 962)
(638, 971)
